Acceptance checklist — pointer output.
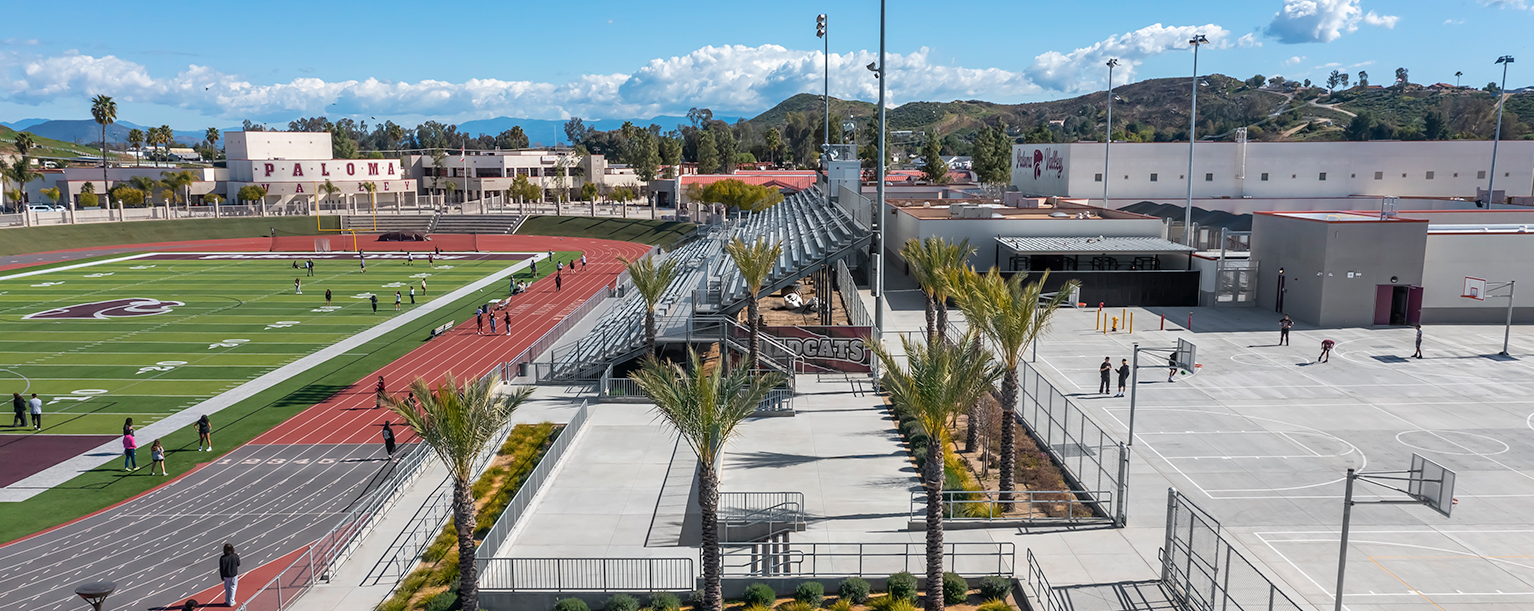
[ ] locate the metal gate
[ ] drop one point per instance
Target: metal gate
(1236, 286)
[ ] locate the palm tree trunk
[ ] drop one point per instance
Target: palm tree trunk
(935, 525)
(756, 330)
(463, 521)
(941, 303)
(708, 504)
(972, 435)
(1008, 431)
(649, 329)
(931, 320)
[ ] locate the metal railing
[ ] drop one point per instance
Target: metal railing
(752, 516)
(862, 559)
(1045, 598)
(1033, 506)
(778, 401)
(519, 503)
(320, 559)
(1200, 569)
(1092, 459)
(611, 389)
(587, 574)
(509, 369)
(851, 300)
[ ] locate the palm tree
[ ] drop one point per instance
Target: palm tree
(459, 422)
(756, 262)
(25, 144)
(651, 281)
(182, 181)
(705, 404)
(135, 139)
(21, 173)
(372, 190)
(329, 189)
(1011, 316)
(448, 189)
(934, 381)
(211, 136)
(929, 261)
(104, 111)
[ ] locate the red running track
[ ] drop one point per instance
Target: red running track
(351, 416)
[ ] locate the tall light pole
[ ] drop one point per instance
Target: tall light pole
(878, 217)
(1109, 140)
(820, 31)
(1187, 213)
(1496, 137)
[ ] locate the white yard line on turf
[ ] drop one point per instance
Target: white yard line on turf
(107, 452)
(77, 266)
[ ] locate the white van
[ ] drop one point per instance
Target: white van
(44, 208)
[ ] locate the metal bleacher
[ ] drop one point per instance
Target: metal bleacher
(483, 224)
(812, 234)
(410, 223)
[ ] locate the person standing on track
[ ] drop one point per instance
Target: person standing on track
(492, 322)
(409, 258)
(1283, 330)
(157, 458)
(1123, 377)
(431, 261)
(583, 262)
(1326, 351)
(559, 283)
(397, 300)
(327, 296)
(373, 299)
(507, 315)
(388, 437)
(423, 287)
(1419, 343)
(36, 406)
(1103, 371)
(479, 321)
(309, 266)
(380, 393)
(204, 434)
(130, 450)
(229, 572)
(20, 406)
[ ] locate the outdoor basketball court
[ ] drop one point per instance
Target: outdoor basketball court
(1261, 436)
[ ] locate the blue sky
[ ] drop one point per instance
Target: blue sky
(219, 63)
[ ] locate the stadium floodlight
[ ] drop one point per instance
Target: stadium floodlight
(820, 32)
(1496, 137)
(1187, 213)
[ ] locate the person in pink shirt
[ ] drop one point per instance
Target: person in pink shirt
(130, 452)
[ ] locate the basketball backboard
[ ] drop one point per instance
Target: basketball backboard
(1432, 484)
(1475, 288)
(1186, 355)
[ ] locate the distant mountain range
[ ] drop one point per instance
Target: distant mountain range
(539, 131)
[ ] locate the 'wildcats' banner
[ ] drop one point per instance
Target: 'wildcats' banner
(827, 349)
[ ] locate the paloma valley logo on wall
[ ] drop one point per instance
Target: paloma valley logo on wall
(103, 310)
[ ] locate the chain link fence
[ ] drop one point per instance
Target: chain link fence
(1091, 458)
(1201, 570)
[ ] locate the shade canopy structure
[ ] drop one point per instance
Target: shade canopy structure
(1133, 253)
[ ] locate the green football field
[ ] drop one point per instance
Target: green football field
(147, 337)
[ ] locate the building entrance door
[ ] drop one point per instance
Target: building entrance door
(1397, 305)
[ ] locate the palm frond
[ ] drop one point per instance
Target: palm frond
(755, 260)
(704, 405)
(937, 379)
(457, 420)
(649, 278)
(1009, 313)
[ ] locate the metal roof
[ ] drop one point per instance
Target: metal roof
(1082, 245)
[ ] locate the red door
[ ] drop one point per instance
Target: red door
(1383, 293)
(1413, 306)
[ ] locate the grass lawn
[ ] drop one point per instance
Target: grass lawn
(642, 231)
(27, 240)
(152, 366)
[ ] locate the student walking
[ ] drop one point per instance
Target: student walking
(492, 323)
(1326, 351)
(412, 295)
(327, 296)
(20, 406)
(298, 287)
(204, 434)
(410, 258)
(559, 283)
(157, 457)
(380, 393)
(1419, 342)
(1123, 377)
(396, 301)
(362, 261)
(431, 261)
(507, 316)
(535, 267)
(309, 266)
(1171, 364)
(1283, 330)
(1103, 371)
(374, 300)
(423, 287)
(388, 437)
(583, 262)
(479, 321)
(229, 572)
(36, 406)
(130, 450)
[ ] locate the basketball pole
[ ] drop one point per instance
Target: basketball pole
(1507, 331)
(1342, 553)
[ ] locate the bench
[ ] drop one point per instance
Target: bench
(443, 328)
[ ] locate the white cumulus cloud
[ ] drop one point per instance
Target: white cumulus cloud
(1512, 4)
(1083, 69)
(1294, 60)
(1302, 21)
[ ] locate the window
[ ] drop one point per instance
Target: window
(1430, 175)
(1209, 177)
(1265, 177)
(1323, 176)
(1099, 178)
(1379, 176)
(1153, 178)
(1481, 174)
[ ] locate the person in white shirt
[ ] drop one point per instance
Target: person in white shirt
(36, 405)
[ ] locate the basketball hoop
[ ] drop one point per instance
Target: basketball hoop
(1475, 288)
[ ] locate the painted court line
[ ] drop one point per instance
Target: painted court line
(107, 452)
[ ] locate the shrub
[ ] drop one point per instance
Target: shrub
(841, 604)
(853, 589)
(995, 587)
(696, 598)
(571, 604)
(442, 601)
(902, 585)
(759, 594)
(795, 605)
(664, 601)
(955, 589)
(811, 593)
(918, 438)
(621, 602)
(910, 427)
(757, 608)
(995, 604)
(892, 603)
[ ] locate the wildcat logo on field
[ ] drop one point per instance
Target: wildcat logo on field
(114, 308)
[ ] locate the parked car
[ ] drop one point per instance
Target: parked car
(44, 208)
